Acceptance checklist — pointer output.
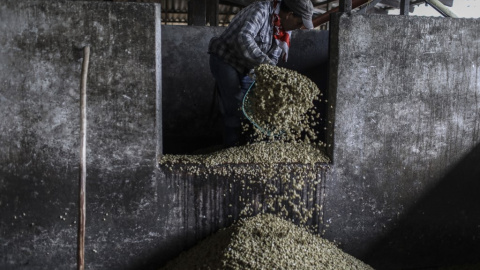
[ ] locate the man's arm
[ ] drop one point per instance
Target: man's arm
(246, 44)
(275, 52)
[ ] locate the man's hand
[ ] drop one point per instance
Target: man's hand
(251, 74)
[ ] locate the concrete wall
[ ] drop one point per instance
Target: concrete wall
(404, 97)
(39, 133)
(191, 120)
(403, 191)
(138, 215)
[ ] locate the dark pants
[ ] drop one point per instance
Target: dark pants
(232, 86)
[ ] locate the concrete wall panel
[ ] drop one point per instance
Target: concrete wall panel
(404, 111)
(138, 215)
(41, 58)
(406, 118)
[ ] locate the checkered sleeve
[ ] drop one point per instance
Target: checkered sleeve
(248, 40)
(275, 52)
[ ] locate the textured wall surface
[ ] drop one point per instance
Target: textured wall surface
(190, 116)
(403, 187)
(138, 215)
(41, 56)
(406, 139)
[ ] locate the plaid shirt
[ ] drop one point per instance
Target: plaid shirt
(248, 40)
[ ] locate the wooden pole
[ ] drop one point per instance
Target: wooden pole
(83, 159)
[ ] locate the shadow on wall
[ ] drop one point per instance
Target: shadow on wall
(442, 229)
(200, 206)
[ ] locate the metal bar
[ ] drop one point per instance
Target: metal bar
(365, 7)
(441, 8)
(404, 7)
(83, 159)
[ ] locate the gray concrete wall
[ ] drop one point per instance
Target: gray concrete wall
(403, 191)
(404, 103)
(191, 120)
(138, 215)
(39, 133)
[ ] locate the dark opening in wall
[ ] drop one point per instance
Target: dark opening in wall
(191, 121)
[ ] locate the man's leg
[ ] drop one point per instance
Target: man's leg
(228, 82)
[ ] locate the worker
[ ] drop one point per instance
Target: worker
(258, 34)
